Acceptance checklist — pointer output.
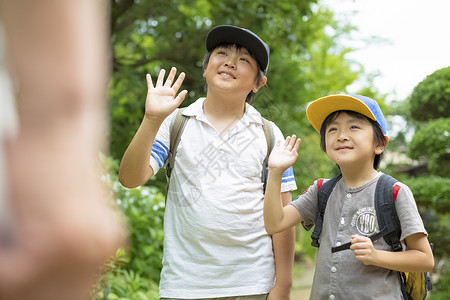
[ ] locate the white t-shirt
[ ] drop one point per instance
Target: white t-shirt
(215, 243)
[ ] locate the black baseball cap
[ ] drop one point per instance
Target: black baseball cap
(224, 34)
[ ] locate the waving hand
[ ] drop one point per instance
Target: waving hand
(162, 98)
(284, 154)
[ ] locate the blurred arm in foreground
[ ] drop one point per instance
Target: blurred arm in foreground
(62, 224)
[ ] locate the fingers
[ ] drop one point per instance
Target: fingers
(291, 143)
(149, 81)
(170, 78)
(358, 239)
(297, 145)
(181, 96)
(360, 242)
(160, 80)
(179, 81)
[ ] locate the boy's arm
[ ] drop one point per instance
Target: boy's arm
(418, 257)
(135, 167)
(63, 226)
(283, 248)
(276, 217)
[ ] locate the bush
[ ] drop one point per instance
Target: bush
(431, 142)
(430, 99)
(134, 272)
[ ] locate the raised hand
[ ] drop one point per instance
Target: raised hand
(161, 99)
(284, 154)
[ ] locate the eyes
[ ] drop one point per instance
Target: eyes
(244, 57)
(351, 127)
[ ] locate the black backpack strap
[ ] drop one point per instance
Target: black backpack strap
(323, 194)
(374, 237)
(386, 214)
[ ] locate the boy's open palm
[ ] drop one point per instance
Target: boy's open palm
(284, 154)
(161, 99)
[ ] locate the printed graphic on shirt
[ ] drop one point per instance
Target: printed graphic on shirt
(365, 220)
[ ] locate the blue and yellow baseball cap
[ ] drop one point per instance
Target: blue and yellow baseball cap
(320, 109)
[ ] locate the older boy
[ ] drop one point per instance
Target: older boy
(215, 244)
(353, 135)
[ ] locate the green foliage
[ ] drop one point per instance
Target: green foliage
(134, 272)
(432, 142)
(144, 208)
(118, 282)
(128, 285)
(432, 195)
(431, 191)
(429, 108)
(430, 99)
(441, 289)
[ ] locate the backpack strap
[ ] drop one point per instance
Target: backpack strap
(323, 193)
(176, 129)
(386, 213)
(268, 133)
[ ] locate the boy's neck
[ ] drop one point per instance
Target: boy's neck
(223, 107)
(223, 114)
(355, 177)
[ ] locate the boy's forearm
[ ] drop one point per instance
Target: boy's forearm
(404, 261)
(283, 247)
(135, 167)
(273, 207)
(418, 257)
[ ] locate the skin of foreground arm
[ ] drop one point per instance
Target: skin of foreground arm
(64, 223)
(161, 101)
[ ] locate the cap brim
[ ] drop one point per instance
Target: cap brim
(227, 34)
(319, 109)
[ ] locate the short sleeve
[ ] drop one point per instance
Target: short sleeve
(407, 212)
(306, 204)
(161, 145)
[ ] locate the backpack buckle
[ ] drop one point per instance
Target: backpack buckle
(397, 247)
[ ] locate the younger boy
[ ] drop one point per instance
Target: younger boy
(215, 244)
(353, 135)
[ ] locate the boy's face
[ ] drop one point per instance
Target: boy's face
(232, 70)
(350, 142)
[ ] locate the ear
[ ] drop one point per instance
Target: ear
(260, 85)
(380, 148)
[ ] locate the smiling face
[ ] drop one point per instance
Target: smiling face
(350, 140)
(232, 69)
